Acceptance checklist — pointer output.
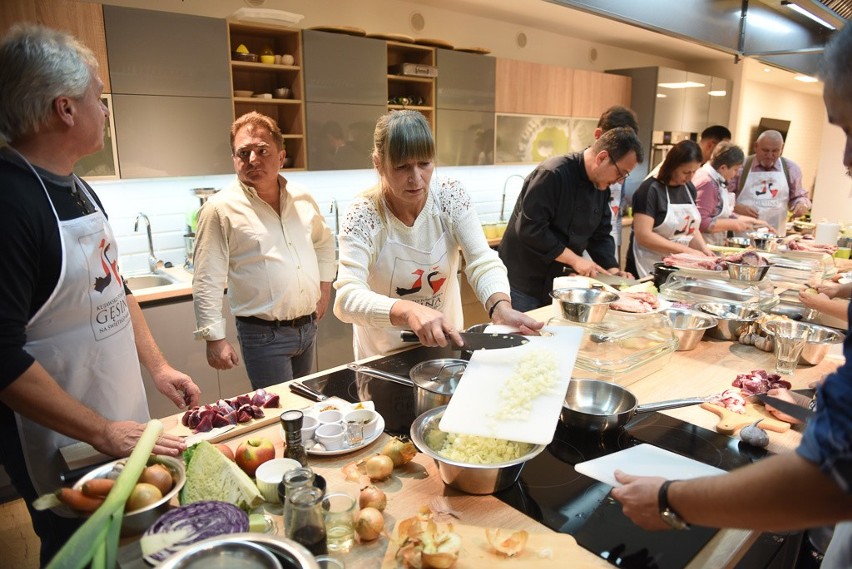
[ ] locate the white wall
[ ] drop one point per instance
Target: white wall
(833, 191)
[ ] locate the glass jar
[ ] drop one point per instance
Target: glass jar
(303, 519)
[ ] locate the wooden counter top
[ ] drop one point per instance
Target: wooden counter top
(709, 368)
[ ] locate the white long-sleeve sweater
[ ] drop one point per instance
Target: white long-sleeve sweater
(364, 233)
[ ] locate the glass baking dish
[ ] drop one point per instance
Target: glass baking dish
(623, 347)
(689, 289)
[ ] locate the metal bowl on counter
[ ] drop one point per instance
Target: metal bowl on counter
(584, 305)
(137, 521)
(688, 326)
(746, 272)
(467, 477)
(820, 339)
(243, 550)
(732, 319)
(767, 242)
(740, 242)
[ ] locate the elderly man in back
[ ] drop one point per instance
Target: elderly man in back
(264, 239)
(768, 184)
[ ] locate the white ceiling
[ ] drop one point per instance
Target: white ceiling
(574, 23)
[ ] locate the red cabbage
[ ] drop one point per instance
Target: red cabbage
(185, 525)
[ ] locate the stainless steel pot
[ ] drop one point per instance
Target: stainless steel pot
(599, 406)
(248, 549)
(434, 381)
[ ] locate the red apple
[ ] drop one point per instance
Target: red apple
(226, 450)
(252, 453)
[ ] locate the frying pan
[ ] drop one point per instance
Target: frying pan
(600, 406)
(433, 381)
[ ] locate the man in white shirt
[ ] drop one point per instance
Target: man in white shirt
(267, 242)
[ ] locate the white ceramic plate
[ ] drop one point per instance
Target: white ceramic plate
(663, 305)
(314, 448)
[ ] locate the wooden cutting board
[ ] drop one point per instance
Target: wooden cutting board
(730, 422)
(287, 400)
(542, 550)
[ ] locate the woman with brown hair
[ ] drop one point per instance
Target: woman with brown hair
(665, 217)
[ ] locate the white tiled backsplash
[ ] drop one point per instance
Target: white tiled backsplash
(166, 201)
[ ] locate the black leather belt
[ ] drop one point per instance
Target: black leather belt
(294, 323)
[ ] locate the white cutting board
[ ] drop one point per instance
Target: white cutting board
(477, 396)
(645, 460)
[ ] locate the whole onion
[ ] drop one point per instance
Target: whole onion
(369, 524)
(372, 497)
(379, 467)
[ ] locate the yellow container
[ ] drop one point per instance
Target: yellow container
(491, 231)
(842, 252)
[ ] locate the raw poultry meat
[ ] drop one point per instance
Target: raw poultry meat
(759, 381)
(636, 302)
(813, 247)
(694, 261)
(730, 399)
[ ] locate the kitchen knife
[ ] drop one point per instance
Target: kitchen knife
(478, 340)
(791, 409)
(303, 390)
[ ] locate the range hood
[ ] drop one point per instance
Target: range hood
(766, 30)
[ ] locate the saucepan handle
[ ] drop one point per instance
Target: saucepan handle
(671, 404)
(381, 374)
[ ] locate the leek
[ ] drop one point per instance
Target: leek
(96, 541)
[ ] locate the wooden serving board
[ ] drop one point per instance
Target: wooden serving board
(730, 422)
(287, 400)
(542, 550)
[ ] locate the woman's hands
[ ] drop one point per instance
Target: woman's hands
(505, 314)
(430, 325)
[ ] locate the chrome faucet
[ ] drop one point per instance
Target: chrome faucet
(154, 264)
(334, 208)
(503, 201)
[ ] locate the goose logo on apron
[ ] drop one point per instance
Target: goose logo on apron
(110, 312)
(418, 283)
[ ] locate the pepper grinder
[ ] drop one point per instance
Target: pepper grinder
(291, 422)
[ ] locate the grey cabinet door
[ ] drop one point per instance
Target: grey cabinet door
(344, 69)
(340, 136)
(334, 340)
(172, 136)
(162, 53)
(172, 325)
(466, 81)
(465, 138)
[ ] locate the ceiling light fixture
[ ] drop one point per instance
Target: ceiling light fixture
(805, 78)
(680, 85)
(661, 95)
(717, 93)
(808, 14)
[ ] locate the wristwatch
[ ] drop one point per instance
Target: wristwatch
(668, 515)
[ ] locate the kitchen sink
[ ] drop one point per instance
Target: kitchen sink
(136, 282)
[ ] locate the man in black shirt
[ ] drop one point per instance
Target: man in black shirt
(71, 337)
(562, 211)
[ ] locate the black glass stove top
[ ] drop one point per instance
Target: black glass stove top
(550, 490)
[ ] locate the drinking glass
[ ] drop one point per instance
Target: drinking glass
(339, 513)
(790, 340)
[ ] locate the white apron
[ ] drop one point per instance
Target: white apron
(84, 338)
(426, 277)
(679, 226)
(726, 198)
(768, 193)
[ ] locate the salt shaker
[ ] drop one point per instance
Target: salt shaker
(291, 421)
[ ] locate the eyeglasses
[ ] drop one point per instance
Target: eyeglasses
(621, 175)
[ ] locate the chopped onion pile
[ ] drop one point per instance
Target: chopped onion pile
(535, 374)
(186, 525)
(471, 449)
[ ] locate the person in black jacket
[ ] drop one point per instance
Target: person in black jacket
(562, 211)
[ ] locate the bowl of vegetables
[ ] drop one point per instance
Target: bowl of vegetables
(475, 465)
(160, 482)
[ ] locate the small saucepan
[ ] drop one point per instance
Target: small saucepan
(600, 406)
(434, 381)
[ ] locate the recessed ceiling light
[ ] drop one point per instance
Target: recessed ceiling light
(805, 78)
(717, 93)
(661, 95)
(767, 69)
(680, 85)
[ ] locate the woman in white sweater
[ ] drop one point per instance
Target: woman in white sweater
(400, 245)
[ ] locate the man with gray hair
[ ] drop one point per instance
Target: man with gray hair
(71, 335)
(768, 184)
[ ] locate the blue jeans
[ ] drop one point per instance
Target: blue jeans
(522, 301)
(274, 354)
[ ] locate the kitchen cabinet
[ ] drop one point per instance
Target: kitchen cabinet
(595, 92)
(465, 138)
(465, 82)
(234, 381)
(344, 69)
(334, 340)
(85, 20)
(258, 77)
(171, 95)
(415, 92)
(527, 88)
(340, 136)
